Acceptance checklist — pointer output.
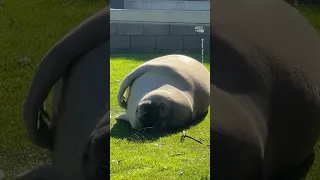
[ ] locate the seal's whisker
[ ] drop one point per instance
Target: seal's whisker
(138, 136)
(145, 133)
(141, 135)
(134, 136)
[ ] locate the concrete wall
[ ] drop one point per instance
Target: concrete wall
(160, 16)
(156, 33)
(168, 4)
(139, 37)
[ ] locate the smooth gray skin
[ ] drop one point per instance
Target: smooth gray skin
(80, 62)
(265, 79)
(181, 80)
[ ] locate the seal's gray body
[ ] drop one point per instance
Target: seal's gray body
(265, 68)
(183, 79)
(77, 66)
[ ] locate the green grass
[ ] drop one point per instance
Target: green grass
(161, 157)
(28, 29)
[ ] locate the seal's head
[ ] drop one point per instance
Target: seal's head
(155, 111)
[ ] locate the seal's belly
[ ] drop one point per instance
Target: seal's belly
(139, 88)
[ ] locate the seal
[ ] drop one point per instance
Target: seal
(77, 68)
(265, 75)
(166, 92)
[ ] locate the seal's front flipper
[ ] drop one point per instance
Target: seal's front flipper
(122, 117)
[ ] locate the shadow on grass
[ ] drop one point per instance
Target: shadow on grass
(148, 56)
(123, 130)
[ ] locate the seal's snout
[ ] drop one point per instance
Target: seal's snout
(147, 113)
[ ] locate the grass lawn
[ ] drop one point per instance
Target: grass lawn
(28, 29)
(162, 157)
(312, 12)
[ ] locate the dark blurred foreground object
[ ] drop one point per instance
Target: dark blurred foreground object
(295, 2)
(265, 93)
(77, 137)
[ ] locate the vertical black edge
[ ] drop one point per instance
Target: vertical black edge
(295, 104)
(211, 83)
(108, 7)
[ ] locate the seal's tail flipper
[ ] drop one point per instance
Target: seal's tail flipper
(88, 35)
(128, 81)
